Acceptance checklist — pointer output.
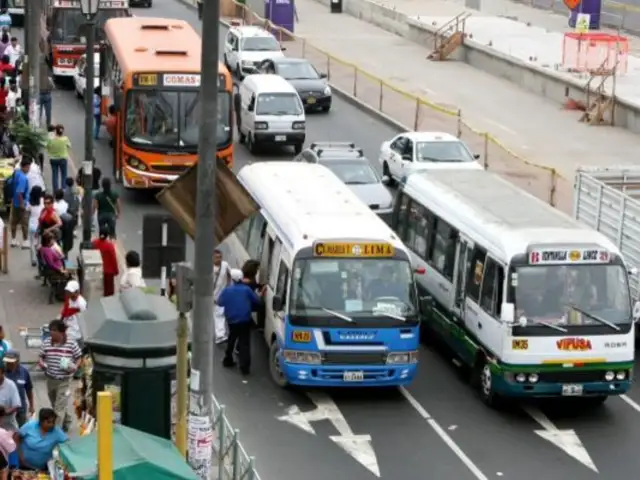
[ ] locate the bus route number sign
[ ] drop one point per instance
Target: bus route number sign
(363, 250)
(147, 79)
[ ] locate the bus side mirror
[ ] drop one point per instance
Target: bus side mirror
(277, 303)
(508, 313)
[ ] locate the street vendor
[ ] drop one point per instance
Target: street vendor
(37, 439)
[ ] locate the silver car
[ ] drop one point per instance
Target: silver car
(350, 165)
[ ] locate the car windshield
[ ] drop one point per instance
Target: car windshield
(297, 71)
(443, 152)
(278, 104)
(70, 26)
(171, 119)
(572, 295)
(260, 44)
(353, 172)
(354, 288)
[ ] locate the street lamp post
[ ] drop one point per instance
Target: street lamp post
(89, 9)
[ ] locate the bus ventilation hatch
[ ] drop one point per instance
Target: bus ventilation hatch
(171, 52)
(155, 27)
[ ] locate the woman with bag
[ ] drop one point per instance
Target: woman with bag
(106, 203)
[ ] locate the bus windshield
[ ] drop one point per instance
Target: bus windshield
(70, 26)
(355, 288)
(171, 119)
(562, 295)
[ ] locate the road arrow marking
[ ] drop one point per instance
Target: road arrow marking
(357, 446)
(295, 417)
(566, 440)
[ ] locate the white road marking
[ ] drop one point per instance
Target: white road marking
(566, 440)
(357, 446)
(630, 402)
(444, 436)
(500, 126)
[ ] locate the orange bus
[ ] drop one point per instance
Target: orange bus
(150, 68)
(66, 31)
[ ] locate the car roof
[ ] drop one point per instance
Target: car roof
(431, 137)
(251, 31)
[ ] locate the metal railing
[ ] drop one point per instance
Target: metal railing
(233, 462)
(415, 112)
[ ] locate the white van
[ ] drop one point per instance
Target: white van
(269, 112)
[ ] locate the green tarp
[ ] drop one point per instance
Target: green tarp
(136, 455)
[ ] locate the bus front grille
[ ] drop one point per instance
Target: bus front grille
(351, 358)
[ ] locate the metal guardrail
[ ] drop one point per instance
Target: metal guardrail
(233, 462)
(416, 112)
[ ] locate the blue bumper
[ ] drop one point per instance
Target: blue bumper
(542, 390)
(333, 376)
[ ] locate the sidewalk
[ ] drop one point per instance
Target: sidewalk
(359, 55)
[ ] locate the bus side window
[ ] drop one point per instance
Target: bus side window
(242, 232)
(273, 264)
(489, 286)
(265, 259)
(476, 273)
(442, 248)
(256, 236)
(400, 218)
(282, 283)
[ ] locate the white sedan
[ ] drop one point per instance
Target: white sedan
(416, 151)
(80, 74)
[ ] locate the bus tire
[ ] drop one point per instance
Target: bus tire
(274, 365)
(483, 381)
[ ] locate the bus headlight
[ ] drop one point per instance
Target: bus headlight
(133, 162)
(261, 125)
(298, 356)
(521, 378)
(534, 377)
(621, 375)
(402, 358)
(609, 376)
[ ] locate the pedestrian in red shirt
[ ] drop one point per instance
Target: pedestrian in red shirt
(3, 92)
(5, 66)
(110, 271)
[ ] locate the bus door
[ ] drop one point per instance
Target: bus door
(464, 251)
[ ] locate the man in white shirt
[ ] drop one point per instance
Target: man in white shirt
(12, 97)
(132, 277)
(60, 205)
(74, 305)
(221, 279)
(14, 50)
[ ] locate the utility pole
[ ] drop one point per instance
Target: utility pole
(33, 13)
(201, 384)
(89, 9)
(184, 302)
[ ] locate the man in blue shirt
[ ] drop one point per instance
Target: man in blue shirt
(22, 378)
(5, 19)
(37, 439)
(238, 300)
(19, 216)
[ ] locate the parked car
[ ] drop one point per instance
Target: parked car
(311, 85)
(416, 151)
(349, 164)
(246, 47)
(80, 74)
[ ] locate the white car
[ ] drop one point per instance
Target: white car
(80, 74)
(246, 47)
(416, 151)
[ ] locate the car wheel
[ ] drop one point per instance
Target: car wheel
(274, 365)
(386, 172)
(251, 145)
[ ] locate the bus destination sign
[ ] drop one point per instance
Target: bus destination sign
(181, 80)
(565, 256)
(103, 4)
(173, 80)
(362, 250)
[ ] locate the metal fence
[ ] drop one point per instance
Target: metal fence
(416, 112)
(232, 460)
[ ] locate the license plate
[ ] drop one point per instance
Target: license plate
(311, 100)
(572, 390)
(353, 376)
(300, 336)
(281, 138)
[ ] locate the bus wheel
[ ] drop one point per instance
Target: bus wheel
(483, 378)
(274, 365)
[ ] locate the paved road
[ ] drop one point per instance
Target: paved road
(436, 426)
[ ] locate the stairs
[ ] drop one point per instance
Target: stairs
(449, 37)
(600, 105)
